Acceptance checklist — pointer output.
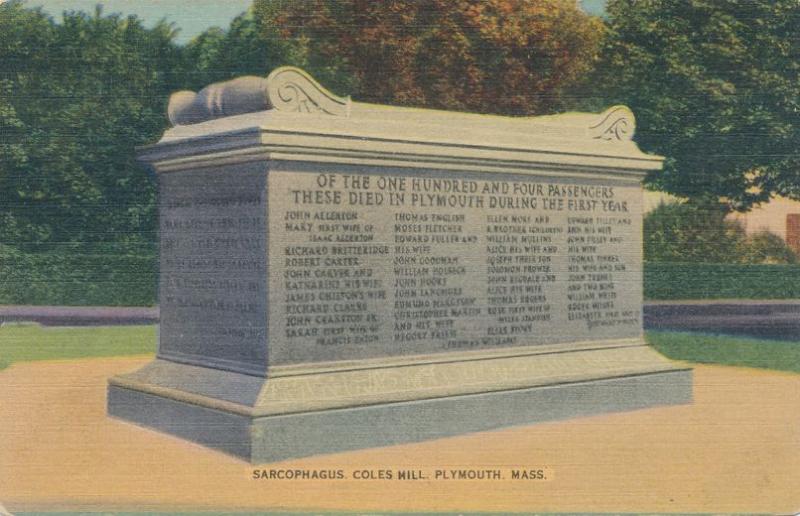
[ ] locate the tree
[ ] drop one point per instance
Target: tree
(511, 57)
(715, 89)
(76, 98)
(27, 35)
(13, 157)
(243, 49)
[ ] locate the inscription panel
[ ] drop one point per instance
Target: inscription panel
(367, 265)
(213, 267)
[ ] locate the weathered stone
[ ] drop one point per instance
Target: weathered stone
(286, 89)
(325, 262)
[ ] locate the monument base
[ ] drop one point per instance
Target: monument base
(307, 414)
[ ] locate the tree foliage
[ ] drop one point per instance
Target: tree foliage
(695, 233)
(714, 85)
(715, 88)
(245, 48)
(502, 56)
(76, 98)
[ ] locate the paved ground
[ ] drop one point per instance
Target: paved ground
(79, 315)
(779, 319)
(735, 449)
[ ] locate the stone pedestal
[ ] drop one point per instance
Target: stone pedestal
(337, 275)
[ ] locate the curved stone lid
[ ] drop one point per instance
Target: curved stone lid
(290, 110)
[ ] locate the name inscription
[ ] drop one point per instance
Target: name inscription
(377, 265)
(213, 300)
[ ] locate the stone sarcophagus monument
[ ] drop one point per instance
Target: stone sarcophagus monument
(337, 275)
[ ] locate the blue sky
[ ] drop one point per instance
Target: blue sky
(191, 16)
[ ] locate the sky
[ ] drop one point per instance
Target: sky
(191, 16)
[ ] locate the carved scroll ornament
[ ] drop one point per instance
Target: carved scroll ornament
(616, 123)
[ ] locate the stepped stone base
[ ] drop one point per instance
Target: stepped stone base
(226, 411)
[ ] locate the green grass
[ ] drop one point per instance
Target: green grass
(21, 343)
(736, 351)
(25, 342)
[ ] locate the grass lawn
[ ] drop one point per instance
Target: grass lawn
(25, 342)
(736, 351)
(19, 343)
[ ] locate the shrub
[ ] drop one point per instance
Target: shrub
(721, 281)
(678, 232)
(691, 233)
(77, 279)
(766, 247)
